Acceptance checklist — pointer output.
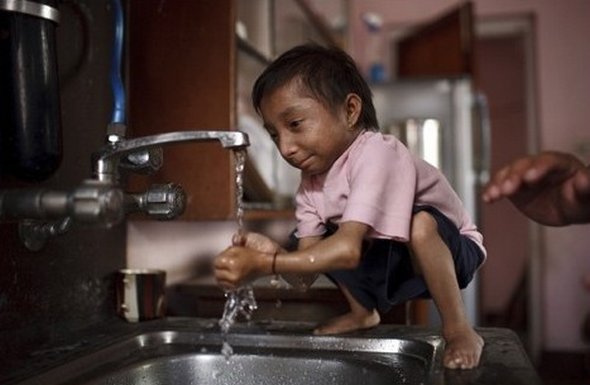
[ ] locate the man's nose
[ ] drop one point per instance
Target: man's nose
(287, 146)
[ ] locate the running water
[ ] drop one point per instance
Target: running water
(241, 300)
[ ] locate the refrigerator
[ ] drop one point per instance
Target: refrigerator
(446, 123)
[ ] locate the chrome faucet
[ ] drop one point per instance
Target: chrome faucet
(100, 200)
(144, 151)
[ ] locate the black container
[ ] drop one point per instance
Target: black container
(30, 120)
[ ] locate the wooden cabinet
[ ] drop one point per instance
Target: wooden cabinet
(442, 47)
(267, 28)
(187, 70)
(181, 76)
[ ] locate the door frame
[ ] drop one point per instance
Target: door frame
(523, 25)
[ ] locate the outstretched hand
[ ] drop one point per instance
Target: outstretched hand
(551, 188)
(249, 258)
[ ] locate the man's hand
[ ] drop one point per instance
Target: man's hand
(551, 188)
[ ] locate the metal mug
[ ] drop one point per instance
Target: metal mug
(141, 294)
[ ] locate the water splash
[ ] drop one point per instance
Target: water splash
(226, 350)
(240, 163)
(239, 301)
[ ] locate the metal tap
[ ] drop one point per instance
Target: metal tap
(132, 153)
(45, 213)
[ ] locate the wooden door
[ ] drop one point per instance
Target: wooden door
(440, 48)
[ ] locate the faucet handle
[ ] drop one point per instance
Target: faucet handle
(144, 161)
(161, 201)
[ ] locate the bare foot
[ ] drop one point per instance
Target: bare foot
(463, 349)
(349, 322)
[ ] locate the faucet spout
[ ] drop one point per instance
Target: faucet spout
(107, 159)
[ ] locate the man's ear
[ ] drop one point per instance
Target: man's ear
(354, 106)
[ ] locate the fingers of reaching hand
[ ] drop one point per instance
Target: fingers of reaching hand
(582, 184)
(553, 167)
(524, 170)
(503, 183)
(547, 167)
(510, 179)
(490, 193)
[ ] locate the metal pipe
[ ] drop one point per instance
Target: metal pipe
(91, 202)
(33, 204)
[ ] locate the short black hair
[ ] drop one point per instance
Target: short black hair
(329, 73)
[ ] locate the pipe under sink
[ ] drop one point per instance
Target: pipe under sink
(194, 357)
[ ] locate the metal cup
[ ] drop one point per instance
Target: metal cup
(141, 294)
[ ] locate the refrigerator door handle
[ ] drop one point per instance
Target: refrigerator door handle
(484, 144)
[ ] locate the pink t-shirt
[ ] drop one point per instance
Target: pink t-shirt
(377, 181)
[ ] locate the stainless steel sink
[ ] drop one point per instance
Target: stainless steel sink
(194, 357)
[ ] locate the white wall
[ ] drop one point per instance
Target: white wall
(177, 247)
(181, 247)
(563, 79)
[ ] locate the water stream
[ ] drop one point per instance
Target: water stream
(239, 301)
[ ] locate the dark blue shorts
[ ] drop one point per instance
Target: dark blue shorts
(385, 276)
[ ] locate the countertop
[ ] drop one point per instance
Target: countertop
(503, 361)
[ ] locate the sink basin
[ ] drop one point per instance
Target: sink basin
(195, 357)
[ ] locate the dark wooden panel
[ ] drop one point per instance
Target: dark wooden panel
(443, 47)
(181, 77)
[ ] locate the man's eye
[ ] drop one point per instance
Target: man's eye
(294, 123)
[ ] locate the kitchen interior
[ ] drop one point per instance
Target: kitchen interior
(519, 86)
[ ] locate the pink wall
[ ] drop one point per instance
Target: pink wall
(563, 63)
(563, 81)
